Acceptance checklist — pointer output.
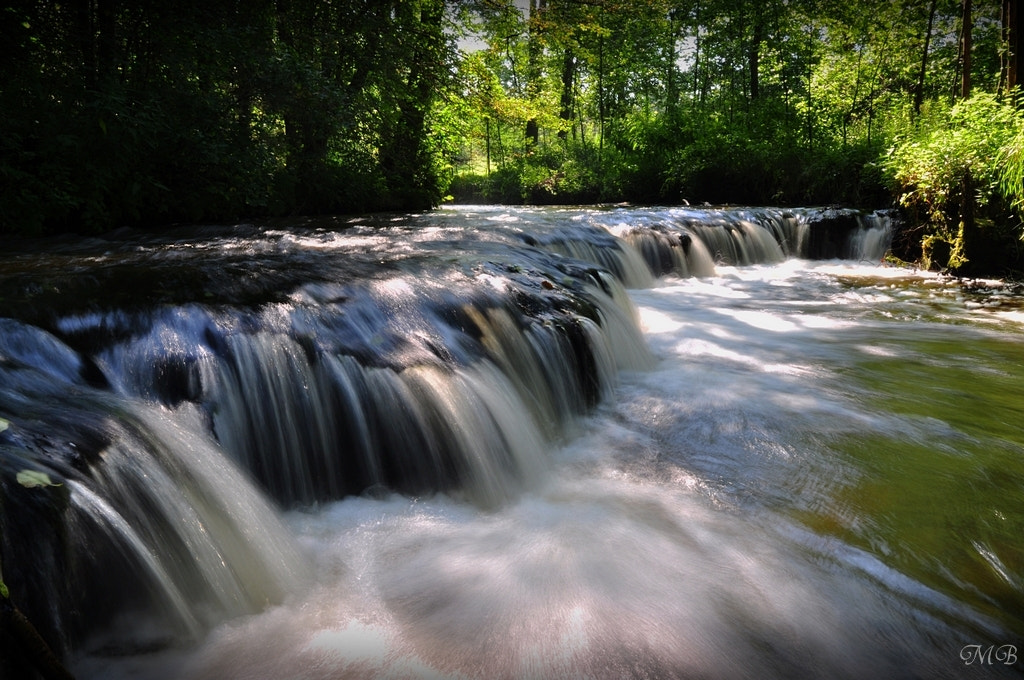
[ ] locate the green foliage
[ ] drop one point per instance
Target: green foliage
(145, 113)
(1010, 162)
(957, 175)
(715, 101)
(974, 139)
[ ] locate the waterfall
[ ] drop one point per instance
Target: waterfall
(144, 515)
(292, 369)
(690, 241)
(872, 240)
(388, 385)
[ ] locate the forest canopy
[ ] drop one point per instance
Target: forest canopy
(134, 113)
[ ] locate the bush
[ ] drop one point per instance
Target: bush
(927, 168)
(958, 177)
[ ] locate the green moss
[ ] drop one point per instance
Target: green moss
(935, 252)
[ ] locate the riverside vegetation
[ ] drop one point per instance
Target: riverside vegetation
(141, 113)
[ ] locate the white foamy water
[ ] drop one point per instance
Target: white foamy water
(664, 540)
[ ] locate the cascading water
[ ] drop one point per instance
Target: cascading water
(144, 514)
(665, 482)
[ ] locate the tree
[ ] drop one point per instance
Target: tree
(966, 46)
(919, 92)
(1013, 50)
(533, 69)
(424, 51)
(142, 113)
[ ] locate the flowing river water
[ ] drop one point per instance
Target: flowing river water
(514, 443)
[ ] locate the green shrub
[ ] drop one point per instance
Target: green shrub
(927, 168)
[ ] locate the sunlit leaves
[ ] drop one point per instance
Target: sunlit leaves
(199, 110)
(1011, 164)
(977, 136)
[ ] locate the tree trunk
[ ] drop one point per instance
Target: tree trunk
(810, 80)
(532, 133)
(501, 145)
(968, 239)
(600, 98)
(968, 236)
(853, 95)
(671, 88)
(568, 99)
(1014, 50)
(754, 58)
(405, 152)
(698, 91)
(533, 71)
(965, 42)
(919, 92)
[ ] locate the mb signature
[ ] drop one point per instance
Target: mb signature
(990, 655)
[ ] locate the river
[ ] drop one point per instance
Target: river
(491, 442)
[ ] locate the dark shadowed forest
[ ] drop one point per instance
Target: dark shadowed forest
(139, 113)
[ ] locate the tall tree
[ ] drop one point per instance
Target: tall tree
(754, 52)
(1013, 45)
(533, 65)
(404, 154)
(919, 91)
(966, 48)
